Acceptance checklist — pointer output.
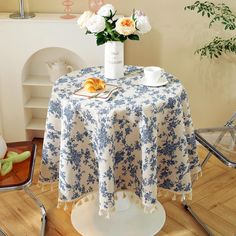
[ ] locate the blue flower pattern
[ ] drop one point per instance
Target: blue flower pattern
(141, 139)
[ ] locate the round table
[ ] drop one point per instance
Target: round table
(140, 140)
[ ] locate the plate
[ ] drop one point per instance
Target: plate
(103, 95)
(159, 84)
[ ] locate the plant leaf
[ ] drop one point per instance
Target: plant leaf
(133, 37)
(101, 40)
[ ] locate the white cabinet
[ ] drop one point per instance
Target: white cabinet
(36, 91)
(26, 46)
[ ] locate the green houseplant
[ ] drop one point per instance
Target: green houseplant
(216, 13)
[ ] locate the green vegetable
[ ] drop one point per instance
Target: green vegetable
(6, 164)
(6, 168)
(11, 154)
(21, 157)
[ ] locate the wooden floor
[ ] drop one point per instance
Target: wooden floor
(214, 199)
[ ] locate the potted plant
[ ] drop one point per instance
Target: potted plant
(216, 13)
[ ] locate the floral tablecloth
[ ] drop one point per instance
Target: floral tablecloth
(141, 139)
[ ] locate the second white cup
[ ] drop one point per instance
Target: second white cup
(153, 75)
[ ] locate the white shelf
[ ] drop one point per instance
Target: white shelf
(41, 17)
(36, 124)
(36, 80)
(37, 103)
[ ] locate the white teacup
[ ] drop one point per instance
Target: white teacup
(153, 75)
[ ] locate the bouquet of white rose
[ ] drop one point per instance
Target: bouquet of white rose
(106, 26)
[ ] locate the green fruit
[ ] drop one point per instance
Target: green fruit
(6, 168)
(6, 164)
(21, 157)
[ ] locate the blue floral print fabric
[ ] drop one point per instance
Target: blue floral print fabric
(141, 139)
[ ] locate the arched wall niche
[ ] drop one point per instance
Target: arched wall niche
(36, 63)
(36, 86)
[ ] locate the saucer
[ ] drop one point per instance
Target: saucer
(158, 84)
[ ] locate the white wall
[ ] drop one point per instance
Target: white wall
(1, 127)
(176, 34)
(1, 130)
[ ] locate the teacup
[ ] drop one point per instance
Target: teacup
(153, 75)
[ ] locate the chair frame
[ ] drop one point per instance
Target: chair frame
(25, 186)
(212, 151)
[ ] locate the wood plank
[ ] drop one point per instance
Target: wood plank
(215, 187)
(177, 212)
(225, 212)
(219, 195)
(173, 228)
(209, 174)
(214, 200)
(217, 222)
(57, 217)
(231, 203)
(16, 211)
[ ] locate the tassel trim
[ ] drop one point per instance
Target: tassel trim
(149, 209)
(47, 186)
(133, 198)
(174, 195)
(117, 196)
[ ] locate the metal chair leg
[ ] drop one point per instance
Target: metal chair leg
(196, 218)
(2, 233)
(42, 208)
(208, 156)
(231, 120)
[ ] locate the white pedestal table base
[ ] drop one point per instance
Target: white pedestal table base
(129, 219)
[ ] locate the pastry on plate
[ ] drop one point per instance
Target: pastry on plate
(93, 85)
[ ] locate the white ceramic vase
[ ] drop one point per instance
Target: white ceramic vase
(114, 60)
(3, 147)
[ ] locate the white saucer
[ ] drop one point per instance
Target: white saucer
(159, 84)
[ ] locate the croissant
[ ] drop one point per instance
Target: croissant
(94, 84)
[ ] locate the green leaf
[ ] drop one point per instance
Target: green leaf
(101, 40)
(133, 37)
(122, 38)
(220, 12)
(100, 34)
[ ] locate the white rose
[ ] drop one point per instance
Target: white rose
(84, 18)
(96, 24)
(138, 13)
(142, 24)
(125, 26)
(106, 10)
